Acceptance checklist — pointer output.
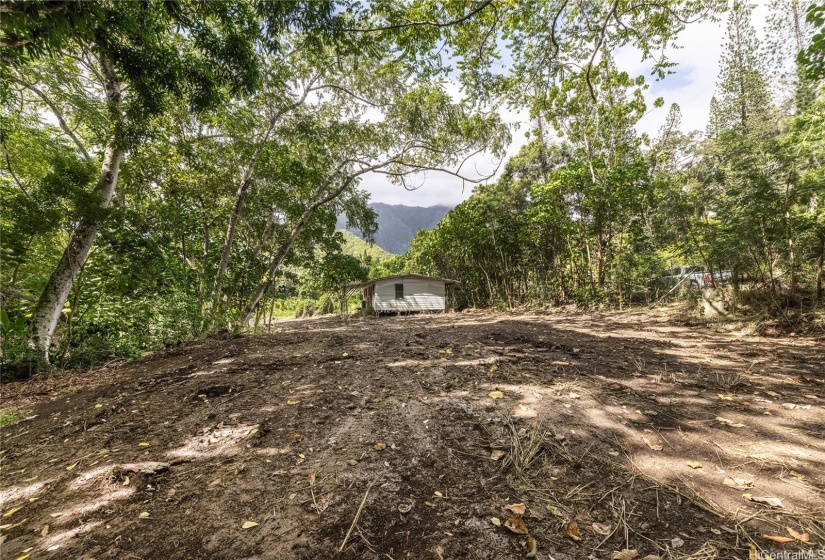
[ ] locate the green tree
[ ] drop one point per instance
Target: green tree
(144, 56)
(744, 97)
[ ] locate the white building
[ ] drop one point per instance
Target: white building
(405, 292)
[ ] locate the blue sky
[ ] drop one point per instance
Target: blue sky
(691, 87)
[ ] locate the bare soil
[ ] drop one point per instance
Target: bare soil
(374, 437)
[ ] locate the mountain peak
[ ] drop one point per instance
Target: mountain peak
(398, 223)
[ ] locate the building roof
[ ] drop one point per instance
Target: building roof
(410, 276)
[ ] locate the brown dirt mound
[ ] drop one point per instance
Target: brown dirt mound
(374, 438)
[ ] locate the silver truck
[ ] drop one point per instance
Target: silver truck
(692, 277)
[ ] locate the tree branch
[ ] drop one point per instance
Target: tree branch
(61, 121)
(599, 43)
(348, 92)
(436, 24)
(11, 171)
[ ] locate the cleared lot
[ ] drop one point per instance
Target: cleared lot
(408, 437)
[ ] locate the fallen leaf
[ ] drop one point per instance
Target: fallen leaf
(291, 402)
(144, 515)
(497, 454)
(573, 395)
(572, 531)
(651, 445)
(495, 521)
(801, 537)
(143, 444)
(248, 525)
(297, 438)
(495, 394)
(767, 500)
(530, 547)
(312, 478)
(725, 397)
(601, 529)
(18, 524)
(522, 432)
(792, 406)
(517, 509)
(771, 393)
(676, 542)
(12, 511)
(44, 531)
(125, 481)
(652, 557)
(70, 467)
(729, 422)
(438, 494)
(554, 510)
(379, 446)
(694, 464)
(626, 554)
(777, 538)
(352, 462)
(516, 525)
(24, 557)
(738, 483)
(405, 508)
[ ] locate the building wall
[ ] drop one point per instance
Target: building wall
(419, 295)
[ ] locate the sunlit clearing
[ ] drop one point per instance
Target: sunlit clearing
(225, 441)
(90, 476)
(111, 494)
(21, 492)
(56, 540)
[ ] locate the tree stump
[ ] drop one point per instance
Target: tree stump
(713, 303)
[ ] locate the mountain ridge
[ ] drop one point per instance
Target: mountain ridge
(398, 223)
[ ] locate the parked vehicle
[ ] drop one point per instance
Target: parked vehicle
(692, 277)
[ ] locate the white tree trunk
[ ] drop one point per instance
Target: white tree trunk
(50, 305)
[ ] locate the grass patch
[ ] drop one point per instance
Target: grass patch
(11, 415)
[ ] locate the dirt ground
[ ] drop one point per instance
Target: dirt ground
(408, 437)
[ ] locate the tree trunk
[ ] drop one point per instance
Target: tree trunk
(789, 229)
(282, 252)
(240, 198)
(275, 264)
(50, 305)
(819, 267)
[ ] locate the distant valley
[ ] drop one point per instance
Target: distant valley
(398, 224)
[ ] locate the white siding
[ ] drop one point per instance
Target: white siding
(419, 295)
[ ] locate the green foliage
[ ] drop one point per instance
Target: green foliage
(812, 57)
(10, 416)
(366, 253)
(247, 126)
(593, 218)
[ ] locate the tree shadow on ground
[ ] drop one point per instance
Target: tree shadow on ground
(644, 434)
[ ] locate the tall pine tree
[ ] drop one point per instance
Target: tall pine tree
(744, 97)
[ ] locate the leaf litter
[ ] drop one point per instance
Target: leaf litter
(571, 477)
